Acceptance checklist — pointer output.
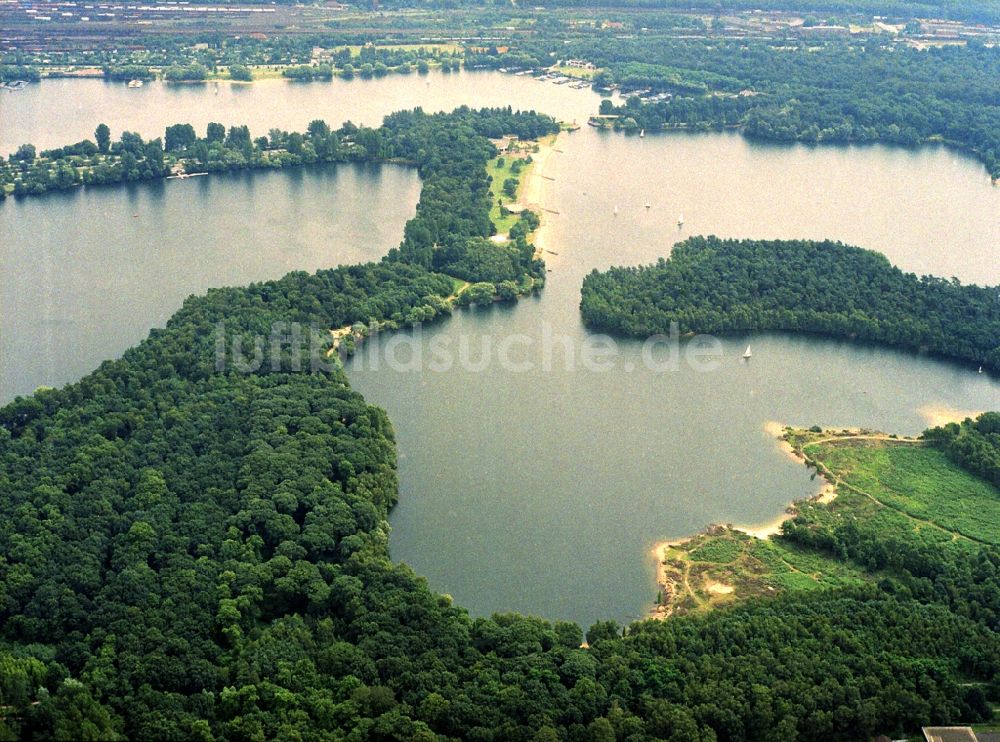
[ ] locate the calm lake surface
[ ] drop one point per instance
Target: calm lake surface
(539, 487)
(87, 273)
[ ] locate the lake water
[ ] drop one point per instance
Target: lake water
(543, 490)
(57, 112)
(87, 273)
(538, 485)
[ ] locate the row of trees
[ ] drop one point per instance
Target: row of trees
(180, 62)
(711, 285)
(30, 173)
(875, 91)
(449, 233)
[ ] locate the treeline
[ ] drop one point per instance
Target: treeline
(27, 172)
(973, 444)
(711, 285)
(452, 225)
(450, 232)
(126, 72)
(186, 73)
(13, 72)
(192, 552)
(874, 91)
(235, 58)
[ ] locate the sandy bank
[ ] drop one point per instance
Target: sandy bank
(763, 530)
(533, 194)
(940, 414)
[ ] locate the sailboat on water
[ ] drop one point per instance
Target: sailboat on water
(642, 133)
(747, 354)
(680, 221)
(616, 211)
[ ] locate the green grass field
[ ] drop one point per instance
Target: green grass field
(500, 173)
(726, 565)
(920, 482)
(576, 72)
(892, 489)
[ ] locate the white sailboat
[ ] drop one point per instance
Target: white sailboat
(616, 211)
(980, 369)
(680, 221)
(648, 204)
(642, 133)
(747, 354)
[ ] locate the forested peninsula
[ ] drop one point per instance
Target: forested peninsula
(710, 285)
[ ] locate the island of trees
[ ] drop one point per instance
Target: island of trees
(710, 285)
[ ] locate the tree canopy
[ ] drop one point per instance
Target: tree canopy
(713, 285)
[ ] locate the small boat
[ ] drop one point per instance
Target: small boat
(648, 205)
(642, 133)
(980, 369)
(616, 211)
(747, 354)
(134, 83)
(680, 221)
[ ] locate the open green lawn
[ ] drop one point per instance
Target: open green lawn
(726, 565)
(899, 490)
(919, 481)
(500, 173)
(576, 72)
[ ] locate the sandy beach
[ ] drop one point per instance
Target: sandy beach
(941, 414)
(763, 530)
(532, 194)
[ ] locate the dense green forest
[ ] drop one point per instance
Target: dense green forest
(711, 285)
(973, 444)
(191, 552)
(449, 232)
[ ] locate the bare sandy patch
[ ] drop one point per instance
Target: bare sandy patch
(937, 414)
(718, 588)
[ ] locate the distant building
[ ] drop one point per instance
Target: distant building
(580, 64)
(949, 734)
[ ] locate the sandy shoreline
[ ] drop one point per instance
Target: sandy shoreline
(534, 187)
(938, 414)
(763, 530)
